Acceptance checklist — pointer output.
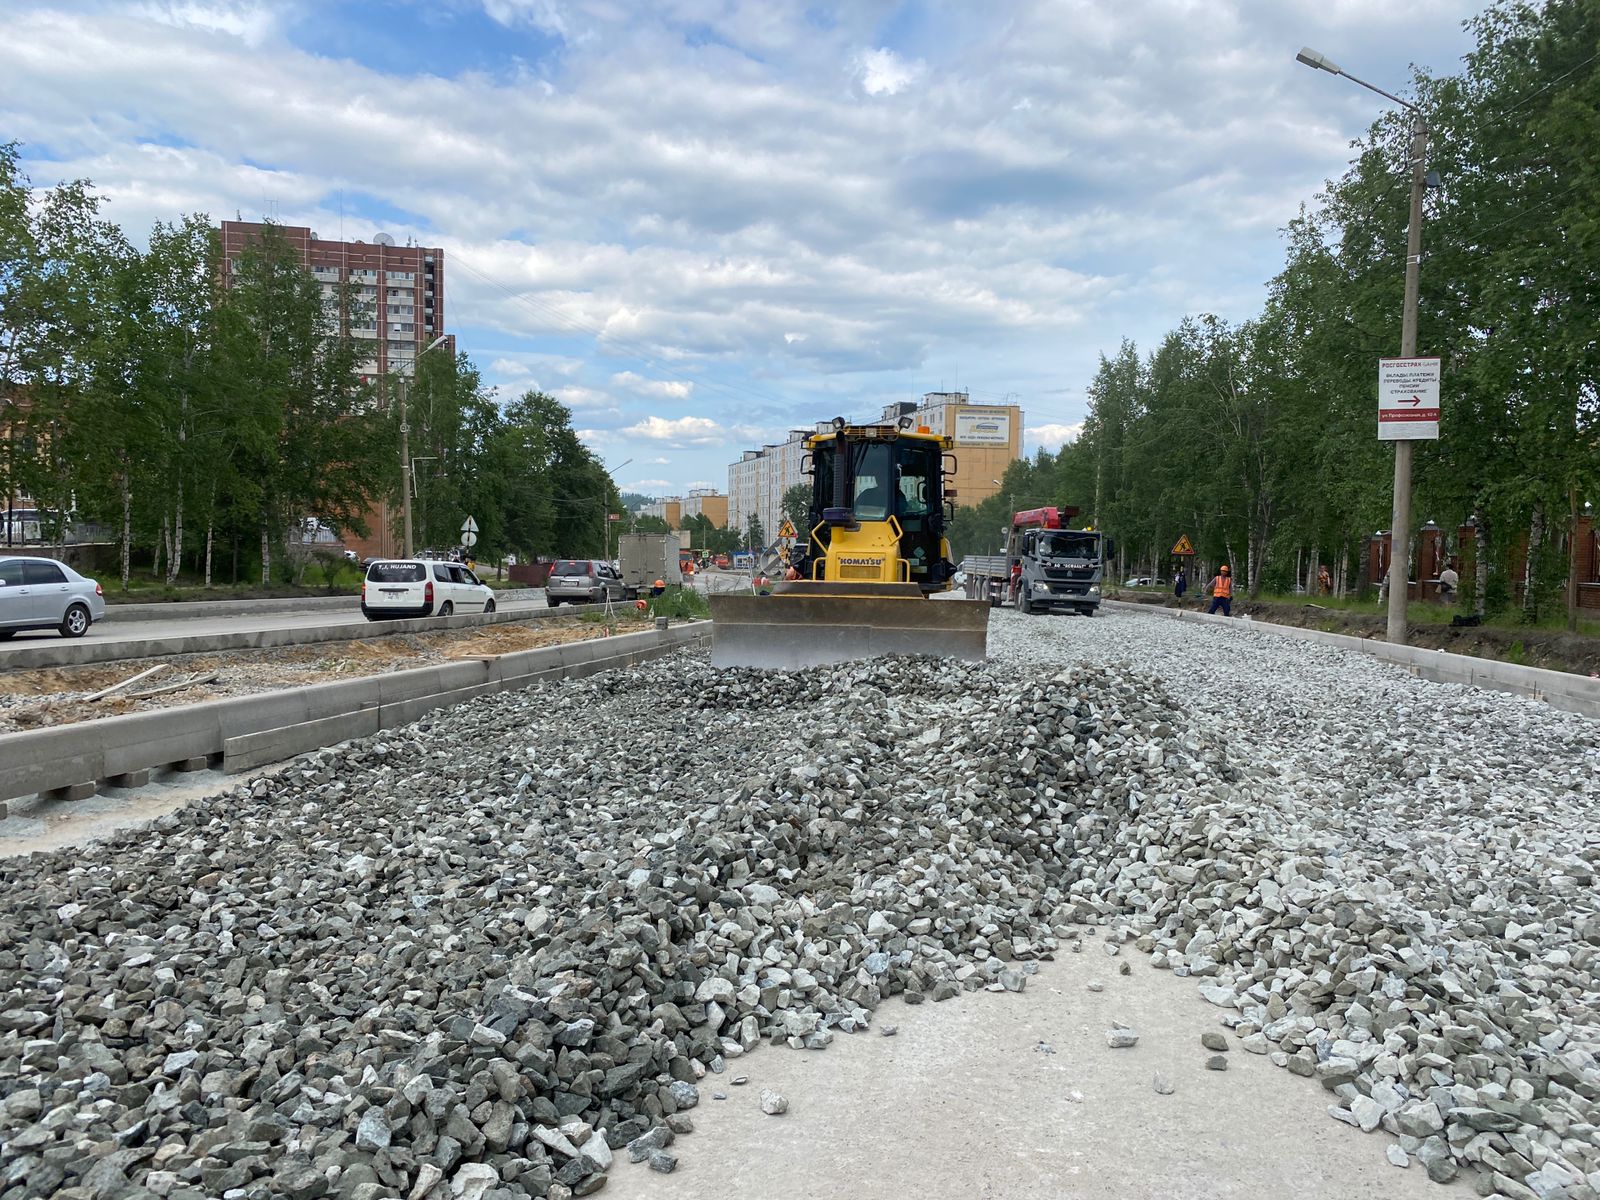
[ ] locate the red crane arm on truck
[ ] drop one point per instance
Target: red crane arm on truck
(1043, 518)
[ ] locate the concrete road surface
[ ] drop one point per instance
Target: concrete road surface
(1018, 1097)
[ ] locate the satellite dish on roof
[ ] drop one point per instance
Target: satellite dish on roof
(382, 239)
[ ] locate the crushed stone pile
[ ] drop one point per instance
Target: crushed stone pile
(485, 955)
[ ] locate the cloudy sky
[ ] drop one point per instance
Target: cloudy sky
(702, 222)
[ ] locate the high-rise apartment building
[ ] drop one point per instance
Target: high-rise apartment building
(988, 438)
(399, 290)
(700, 502)
(398, 312)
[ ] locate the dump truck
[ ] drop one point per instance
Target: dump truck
(1046, 567)
(861, 578)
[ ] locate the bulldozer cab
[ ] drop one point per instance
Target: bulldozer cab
(889, 476)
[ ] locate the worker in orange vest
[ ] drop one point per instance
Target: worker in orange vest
(1221, 589)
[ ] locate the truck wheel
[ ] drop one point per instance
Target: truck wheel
(1025, 603)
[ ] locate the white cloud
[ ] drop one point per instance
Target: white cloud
(884, 73)
(577, 397)
(670, 389)
(1052, 436)
(732, 187)
(698, 431)
(252, 23)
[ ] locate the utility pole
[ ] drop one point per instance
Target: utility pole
(405, 464)
(1400, 530)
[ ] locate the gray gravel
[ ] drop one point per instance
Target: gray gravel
(481, 955)
(1396, 897)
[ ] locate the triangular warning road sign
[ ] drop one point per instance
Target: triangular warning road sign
(786, 530)
(1184, 546)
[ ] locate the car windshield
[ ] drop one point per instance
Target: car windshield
(573, 567)
(396, 572)
(1065, 544)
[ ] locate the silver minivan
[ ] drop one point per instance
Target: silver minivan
(421, 587)
(41, 593)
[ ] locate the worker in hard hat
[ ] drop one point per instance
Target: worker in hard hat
(1221, 589)
(658, 587)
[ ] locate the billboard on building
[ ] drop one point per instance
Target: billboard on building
(983, 427)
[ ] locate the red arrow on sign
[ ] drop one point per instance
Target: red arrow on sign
(1414, 401)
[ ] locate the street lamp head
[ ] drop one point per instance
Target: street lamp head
(437, 342)
(1319, 61)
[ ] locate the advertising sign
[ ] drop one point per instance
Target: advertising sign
(978, 427)
(1408, 399)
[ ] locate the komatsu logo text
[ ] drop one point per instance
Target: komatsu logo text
(861, 562)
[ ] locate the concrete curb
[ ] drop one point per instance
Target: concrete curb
(1559, 689)
(179, 610)
(65, 653)
(249, 731)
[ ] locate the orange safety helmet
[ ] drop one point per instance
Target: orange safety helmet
(1224, 569)
(641, 605)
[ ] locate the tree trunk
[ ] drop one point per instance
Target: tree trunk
(1572, 561)
(175, 554)
(126, 489)
(266, 554)
(1313, 568)
(211, 528)
(1530, 570)
(161, 546)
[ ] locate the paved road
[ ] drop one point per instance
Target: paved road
(111, 631)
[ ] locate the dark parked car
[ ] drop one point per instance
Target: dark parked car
(41, 593)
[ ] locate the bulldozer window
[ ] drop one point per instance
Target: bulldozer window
(914, 472)
(870, 465)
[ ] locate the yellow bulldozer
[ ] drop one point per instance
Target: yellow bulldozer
(860, 581)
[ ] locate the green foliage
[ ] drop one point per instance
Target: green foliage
(796, 506)
(681, 603)
(755, 537)
(139, 392)
(1259, 439)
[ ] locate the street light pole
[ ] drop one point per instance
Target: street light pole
(405, 444)
(605, 515)
(1400, 528)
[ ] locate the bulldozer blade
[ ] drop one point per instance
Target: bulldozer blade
(790, 631)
